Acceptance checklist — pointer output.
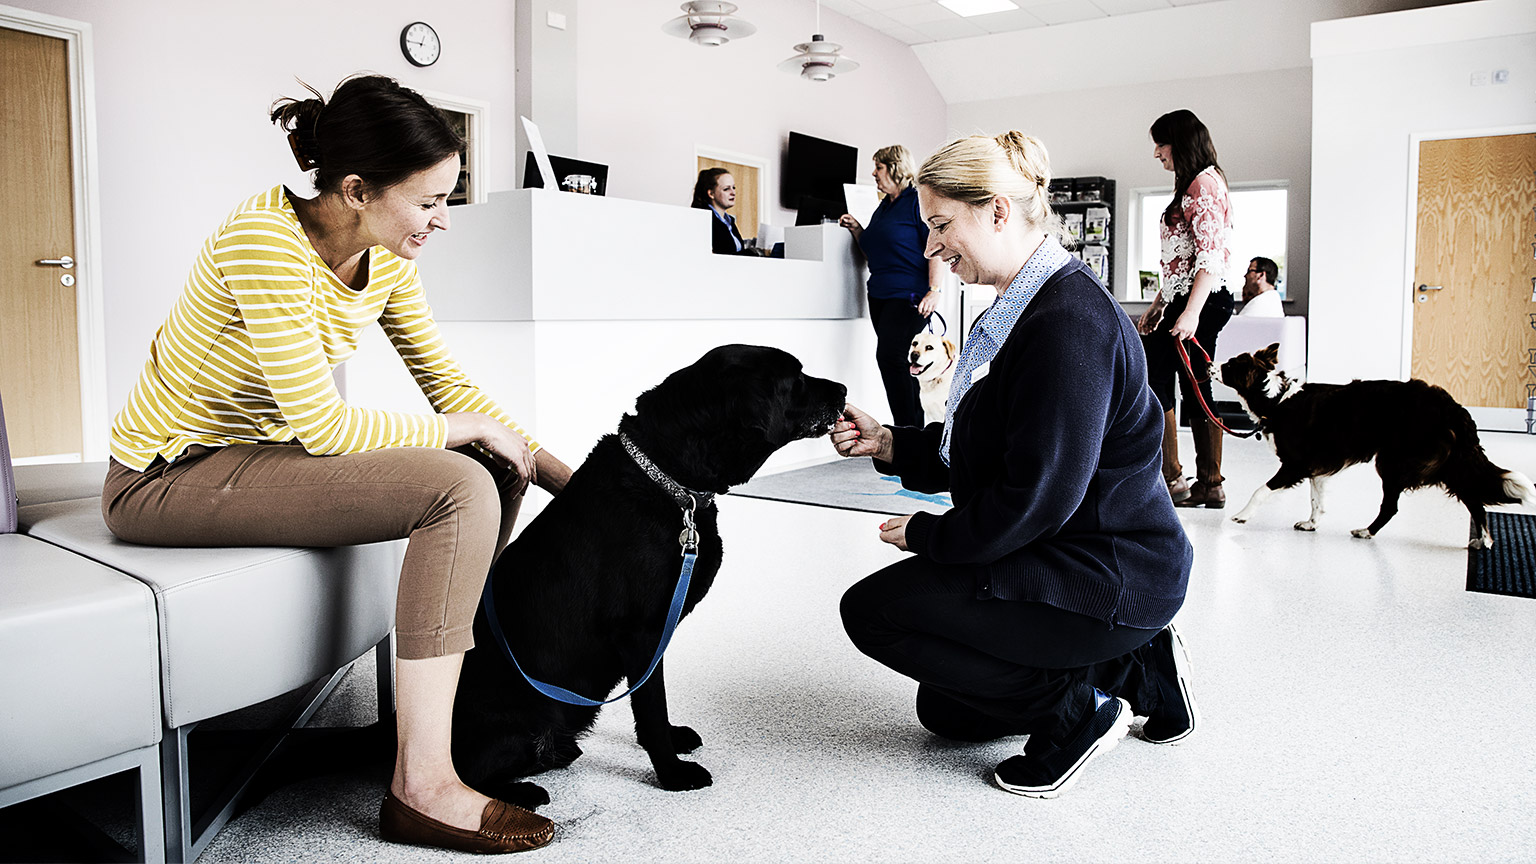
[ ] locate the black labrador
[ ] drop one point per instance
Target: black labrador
(583, 593)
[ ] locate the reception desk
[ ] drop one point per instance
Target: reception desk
(565, 307)
(532, 255)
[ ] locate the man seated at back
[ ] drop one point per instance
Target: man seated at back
(1260, 299)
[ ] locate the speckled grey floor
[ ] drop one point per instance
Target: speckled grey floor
(1360, 705)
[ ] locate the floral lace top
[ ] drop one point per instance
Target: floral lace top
(1198, 238)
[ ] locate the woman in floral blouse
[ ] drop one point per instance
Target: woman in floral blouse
(1194, 301)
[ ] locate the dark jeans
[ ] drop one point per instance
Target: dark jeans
(985, 667)
(896, 322)
(1163, 364)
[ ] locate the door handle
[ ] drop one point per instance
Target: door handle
(66, 262)
(1430, 288)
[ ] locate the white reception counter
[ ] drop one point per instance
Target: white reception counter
(533, 255)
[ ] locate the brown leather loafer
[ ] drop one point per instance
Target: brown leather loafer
(503, 828)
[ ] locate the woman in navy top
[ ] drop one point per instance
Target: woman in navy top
(902, 290)
(715, 191)
(1040, 604)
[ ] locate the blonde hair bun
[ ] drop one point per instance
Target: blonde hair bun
(978, 168)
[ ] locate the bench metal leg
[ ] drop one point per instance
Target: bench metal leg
(384, 657)
(185, 839)
(148, 810)
(145, 761)
(176, 798)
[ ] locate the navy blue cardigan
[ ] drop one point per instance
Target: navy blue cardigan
(1055, 468)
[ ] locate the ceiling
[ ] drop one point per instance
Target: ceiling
(918, 21)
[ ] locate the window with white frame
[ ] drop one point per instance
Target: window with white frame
(1258, 230)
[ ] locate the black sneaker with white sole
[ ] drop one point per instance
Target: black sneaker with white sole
(1176, 716)
(1051, 772)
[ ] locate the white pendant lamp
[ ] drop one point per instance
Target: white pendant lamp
(818, 59)
(709, 24)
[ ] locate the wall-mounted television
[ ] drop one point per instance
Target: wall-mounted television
(815, 170)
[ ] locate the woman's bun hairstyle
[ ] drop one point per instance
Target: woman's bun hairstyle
(976, 169)
(372, 127)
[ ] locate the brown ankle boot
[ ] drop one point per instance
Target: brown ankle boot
(1173, 472)
(1202, 494)
(1206, 490)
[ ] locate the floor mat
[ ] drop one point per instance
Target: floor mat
(1509, 568)
(847, 484)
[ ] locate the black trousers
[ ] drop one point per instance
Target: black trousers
(985, 667)
(896, 322)
(1163, 364)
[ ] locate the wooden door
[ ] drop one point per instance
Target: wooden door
(746, 209)
(39, 342)
(1475, 230)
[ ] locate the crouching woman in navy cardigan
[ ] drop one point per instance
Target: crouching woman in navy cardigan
(1040, 605)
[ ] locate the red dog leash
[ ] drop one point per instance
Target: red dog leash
(1200, 397)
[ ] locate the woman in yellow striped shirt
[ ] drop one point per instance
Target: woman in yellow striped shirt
(236, 435)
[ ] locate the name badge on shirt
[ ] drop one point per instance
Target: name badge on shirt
(981, 371)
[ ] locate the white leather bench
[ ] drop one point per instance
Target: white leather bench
(219, 628)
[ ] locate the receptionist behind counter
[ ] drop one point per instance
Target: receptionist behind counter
(716, 192)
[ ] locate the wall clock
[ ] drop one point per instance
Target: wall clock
(419, 44)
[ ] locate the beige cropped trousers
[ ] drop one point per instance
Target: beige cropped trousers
(456, 506)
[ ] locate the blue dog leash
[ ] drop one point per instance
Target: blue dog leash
(688, 539)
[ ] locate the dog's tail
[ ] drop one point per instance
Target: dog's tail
(1470, 475)
(1518, 488)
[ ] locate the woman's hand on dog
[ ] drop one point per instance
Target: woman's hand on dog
(894, 531)
(858, 434)
(509, 449)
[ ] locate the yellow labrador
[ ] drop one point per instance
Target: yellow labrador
(932, 359)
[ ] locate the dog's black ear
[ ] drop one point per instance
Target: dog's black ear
(1268, 356)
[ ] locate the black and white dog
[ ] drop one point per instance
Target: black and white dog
(583, 593)
(1417, 433)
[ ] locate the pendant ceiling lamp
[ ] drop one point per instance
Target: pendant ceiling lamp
(709, 24)
(818, 59)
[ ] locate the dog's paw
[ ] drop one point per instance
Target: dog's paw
(529, 796)
(1362, 533)
(685, 740)
(1305, 525)
(682, 776)
(1481, 543)
(1240, 518)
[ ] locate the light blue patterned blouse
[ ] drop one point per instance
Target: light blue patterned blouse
(994, 325)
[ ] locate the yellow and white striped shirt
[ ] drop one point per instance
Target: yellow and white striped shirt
(247, 352)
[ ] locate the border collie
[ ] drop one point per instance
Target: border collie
(1417, 433)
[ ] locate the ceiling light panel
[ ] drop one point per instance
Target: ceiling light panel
(968, 8)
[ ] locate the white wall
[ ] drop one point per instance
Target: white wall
(182, 92)
(1378, 81)
(1259, 120)
(648, 99)
(1091, 89)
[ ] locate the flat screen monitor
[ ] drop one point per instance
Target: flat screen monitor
(575, 175)
(818, 168)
